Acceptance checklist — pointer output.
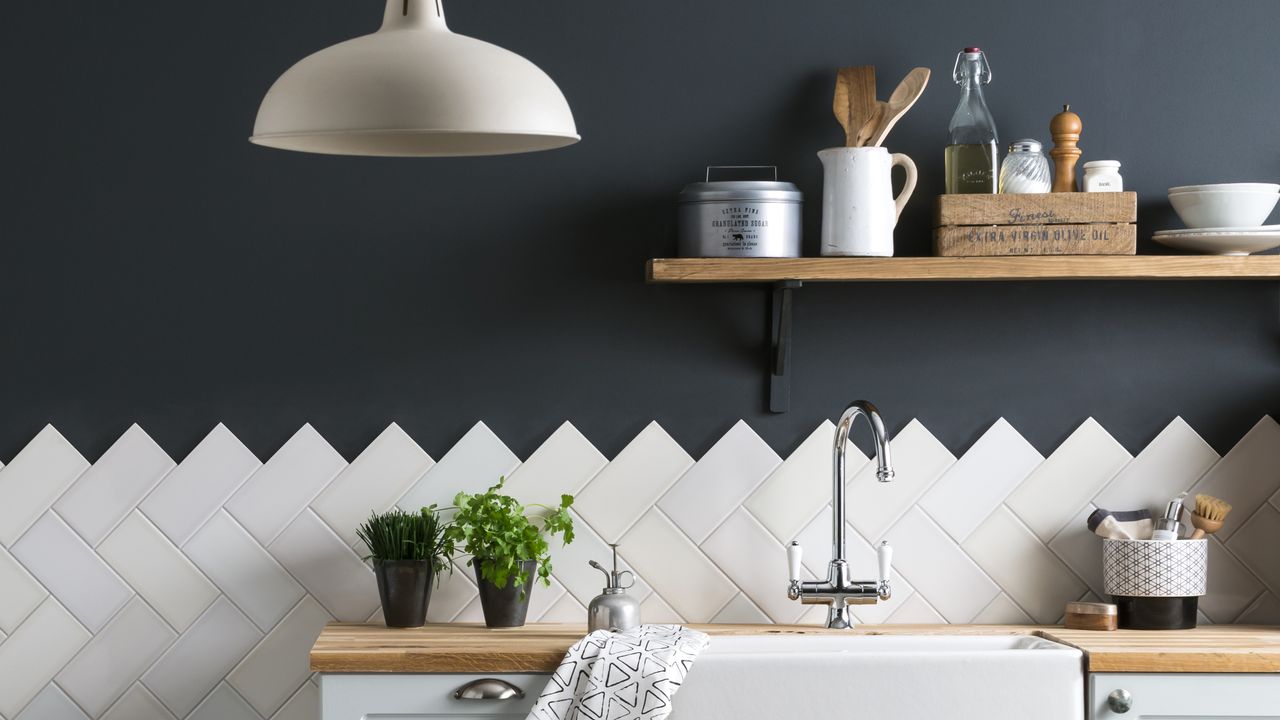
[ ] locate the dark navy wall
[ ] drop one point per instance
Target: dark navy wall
(160, 269)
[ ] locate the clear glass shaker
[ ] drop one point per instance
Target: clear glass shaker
(1025, 169)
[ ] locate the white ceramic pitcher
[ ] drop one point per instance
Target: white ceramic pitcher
(859, 210)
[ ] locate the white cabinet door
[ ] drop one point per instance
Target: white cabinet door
(428, 696)
(1184, 696)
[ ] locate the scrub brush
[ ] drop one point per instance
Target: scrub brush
(1208, 515)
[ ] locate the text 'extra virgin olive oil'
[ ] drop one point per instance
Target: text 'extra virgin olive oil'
(971, 168)
(972, 157)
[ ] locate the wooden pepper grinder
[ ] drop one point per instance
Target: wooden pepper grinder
(1065, 129)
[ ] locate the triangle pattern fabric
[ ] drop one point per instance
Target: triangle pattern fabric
(629, 675)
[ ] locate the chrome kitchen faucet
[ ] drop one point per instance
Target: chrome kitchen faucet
(839, 590)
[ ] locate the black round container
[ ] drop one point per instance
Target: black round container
(1156, 613)
(504, 606)
(404, 586)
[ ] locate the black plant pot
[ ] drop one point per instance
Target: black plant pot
(503, 607)
(405, 589)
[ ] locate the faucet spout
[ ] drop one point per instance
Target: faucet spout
(839, 475)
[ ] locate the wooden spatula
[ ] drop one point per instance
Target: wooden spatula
(855, 99)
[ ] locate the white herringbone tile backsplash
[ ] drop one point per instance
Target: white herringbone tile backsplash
(136, 588)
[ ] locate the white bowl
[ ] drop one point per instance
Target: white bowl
(1226, 187)
(1220, 208)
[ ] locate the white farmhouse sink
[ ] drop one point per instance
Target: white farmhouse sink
(887, 677)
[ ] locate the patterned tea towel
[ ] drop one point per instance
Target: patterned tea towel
(628, 675)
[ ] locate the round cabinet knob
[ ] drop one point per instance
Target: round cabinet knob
(1120, 701)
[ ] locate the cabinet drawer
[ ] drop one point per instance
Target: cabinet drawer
(1186, 696)
(409, 696)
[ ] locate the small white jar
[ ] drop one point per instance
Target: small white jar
(1103, 176)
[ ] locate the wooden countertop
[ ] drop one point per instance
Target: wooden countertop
(458, 648)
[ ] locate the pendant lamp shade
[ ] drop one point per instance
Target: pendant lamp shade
(414, 89)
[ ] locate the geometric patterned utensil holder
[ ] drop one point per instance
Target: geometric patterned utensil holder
(1155, 568)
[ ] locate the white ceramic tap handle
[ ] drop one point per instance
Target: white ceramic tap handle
(793, 561)
(884, 555)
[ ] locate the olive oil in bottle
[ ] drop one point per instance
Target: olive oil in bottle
(971, 168)
(971, 155)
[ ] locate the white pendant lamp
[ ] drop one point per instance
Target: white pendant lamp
(414, 89)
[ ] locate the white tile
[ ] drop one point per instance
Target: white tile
(451, 596)
(114, 485)
(35, 652)
(933, 563)
(566, 610)
(157, 571)
(569, 563)
(1256, 542)
(21, 595)
(138, 704)
(633, 482)
(244, 570)
(791, 495)
(1264, 611)
(674, 567)
(327, 568)
(741, 611)
(980, 480)
(1003, 611)
(35, 478)
(116, 657)
(281, 662)
(224, 704)
(543, 598)
(1071, 475)
(1170, 464)
(304, 705)
(815, 543)
(372, 482)
(1081, 550)
(656, 610)
(201, 657)
(1247, 475)
(52, 704)
(754, 561)
(70, 570)
(918, 461)
(718, 483)
(916, 611)
(479, 460)
(289, 480)
(1023, 567)
(1232, 588)
(193, 491)
(562, 465)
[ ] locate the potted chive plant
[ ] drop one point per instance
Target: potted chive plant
(409, 551)
(508, 548)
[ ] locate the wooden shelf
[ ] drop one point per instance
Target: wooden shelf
(1139, 267)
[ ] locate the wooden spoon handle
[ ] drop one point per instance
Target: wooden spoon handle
(872, 126)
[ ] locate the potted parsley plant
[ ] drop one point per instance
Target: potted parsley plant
(508, 548)
(409, 551)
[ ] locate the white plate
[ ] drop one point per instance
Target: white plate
(1222, 241)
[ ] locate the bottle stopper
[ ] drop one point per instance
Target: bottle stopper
(1065, 128)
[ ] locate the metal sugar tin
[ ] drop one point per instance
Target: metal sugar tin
(739, 218)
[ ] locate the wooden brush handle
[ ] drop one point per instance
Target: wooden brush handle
(1197, 534)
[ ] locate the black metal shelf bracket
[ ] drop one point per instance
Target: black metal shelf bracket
(780, 306)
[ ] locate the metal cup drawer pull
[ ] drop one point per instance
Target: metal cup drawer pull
(1120, 701)
(488, 689)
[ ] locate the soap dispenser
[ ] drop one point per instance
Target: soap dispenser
(614, 609)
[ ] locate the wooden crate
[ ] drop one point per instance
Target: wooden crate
(1048, 224)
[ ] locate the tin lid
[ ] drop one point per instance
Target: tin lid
(1091, 608)
(745, 190)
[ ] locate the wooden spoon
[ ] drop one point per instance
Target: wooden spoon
(855, 99)
(903, 97)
